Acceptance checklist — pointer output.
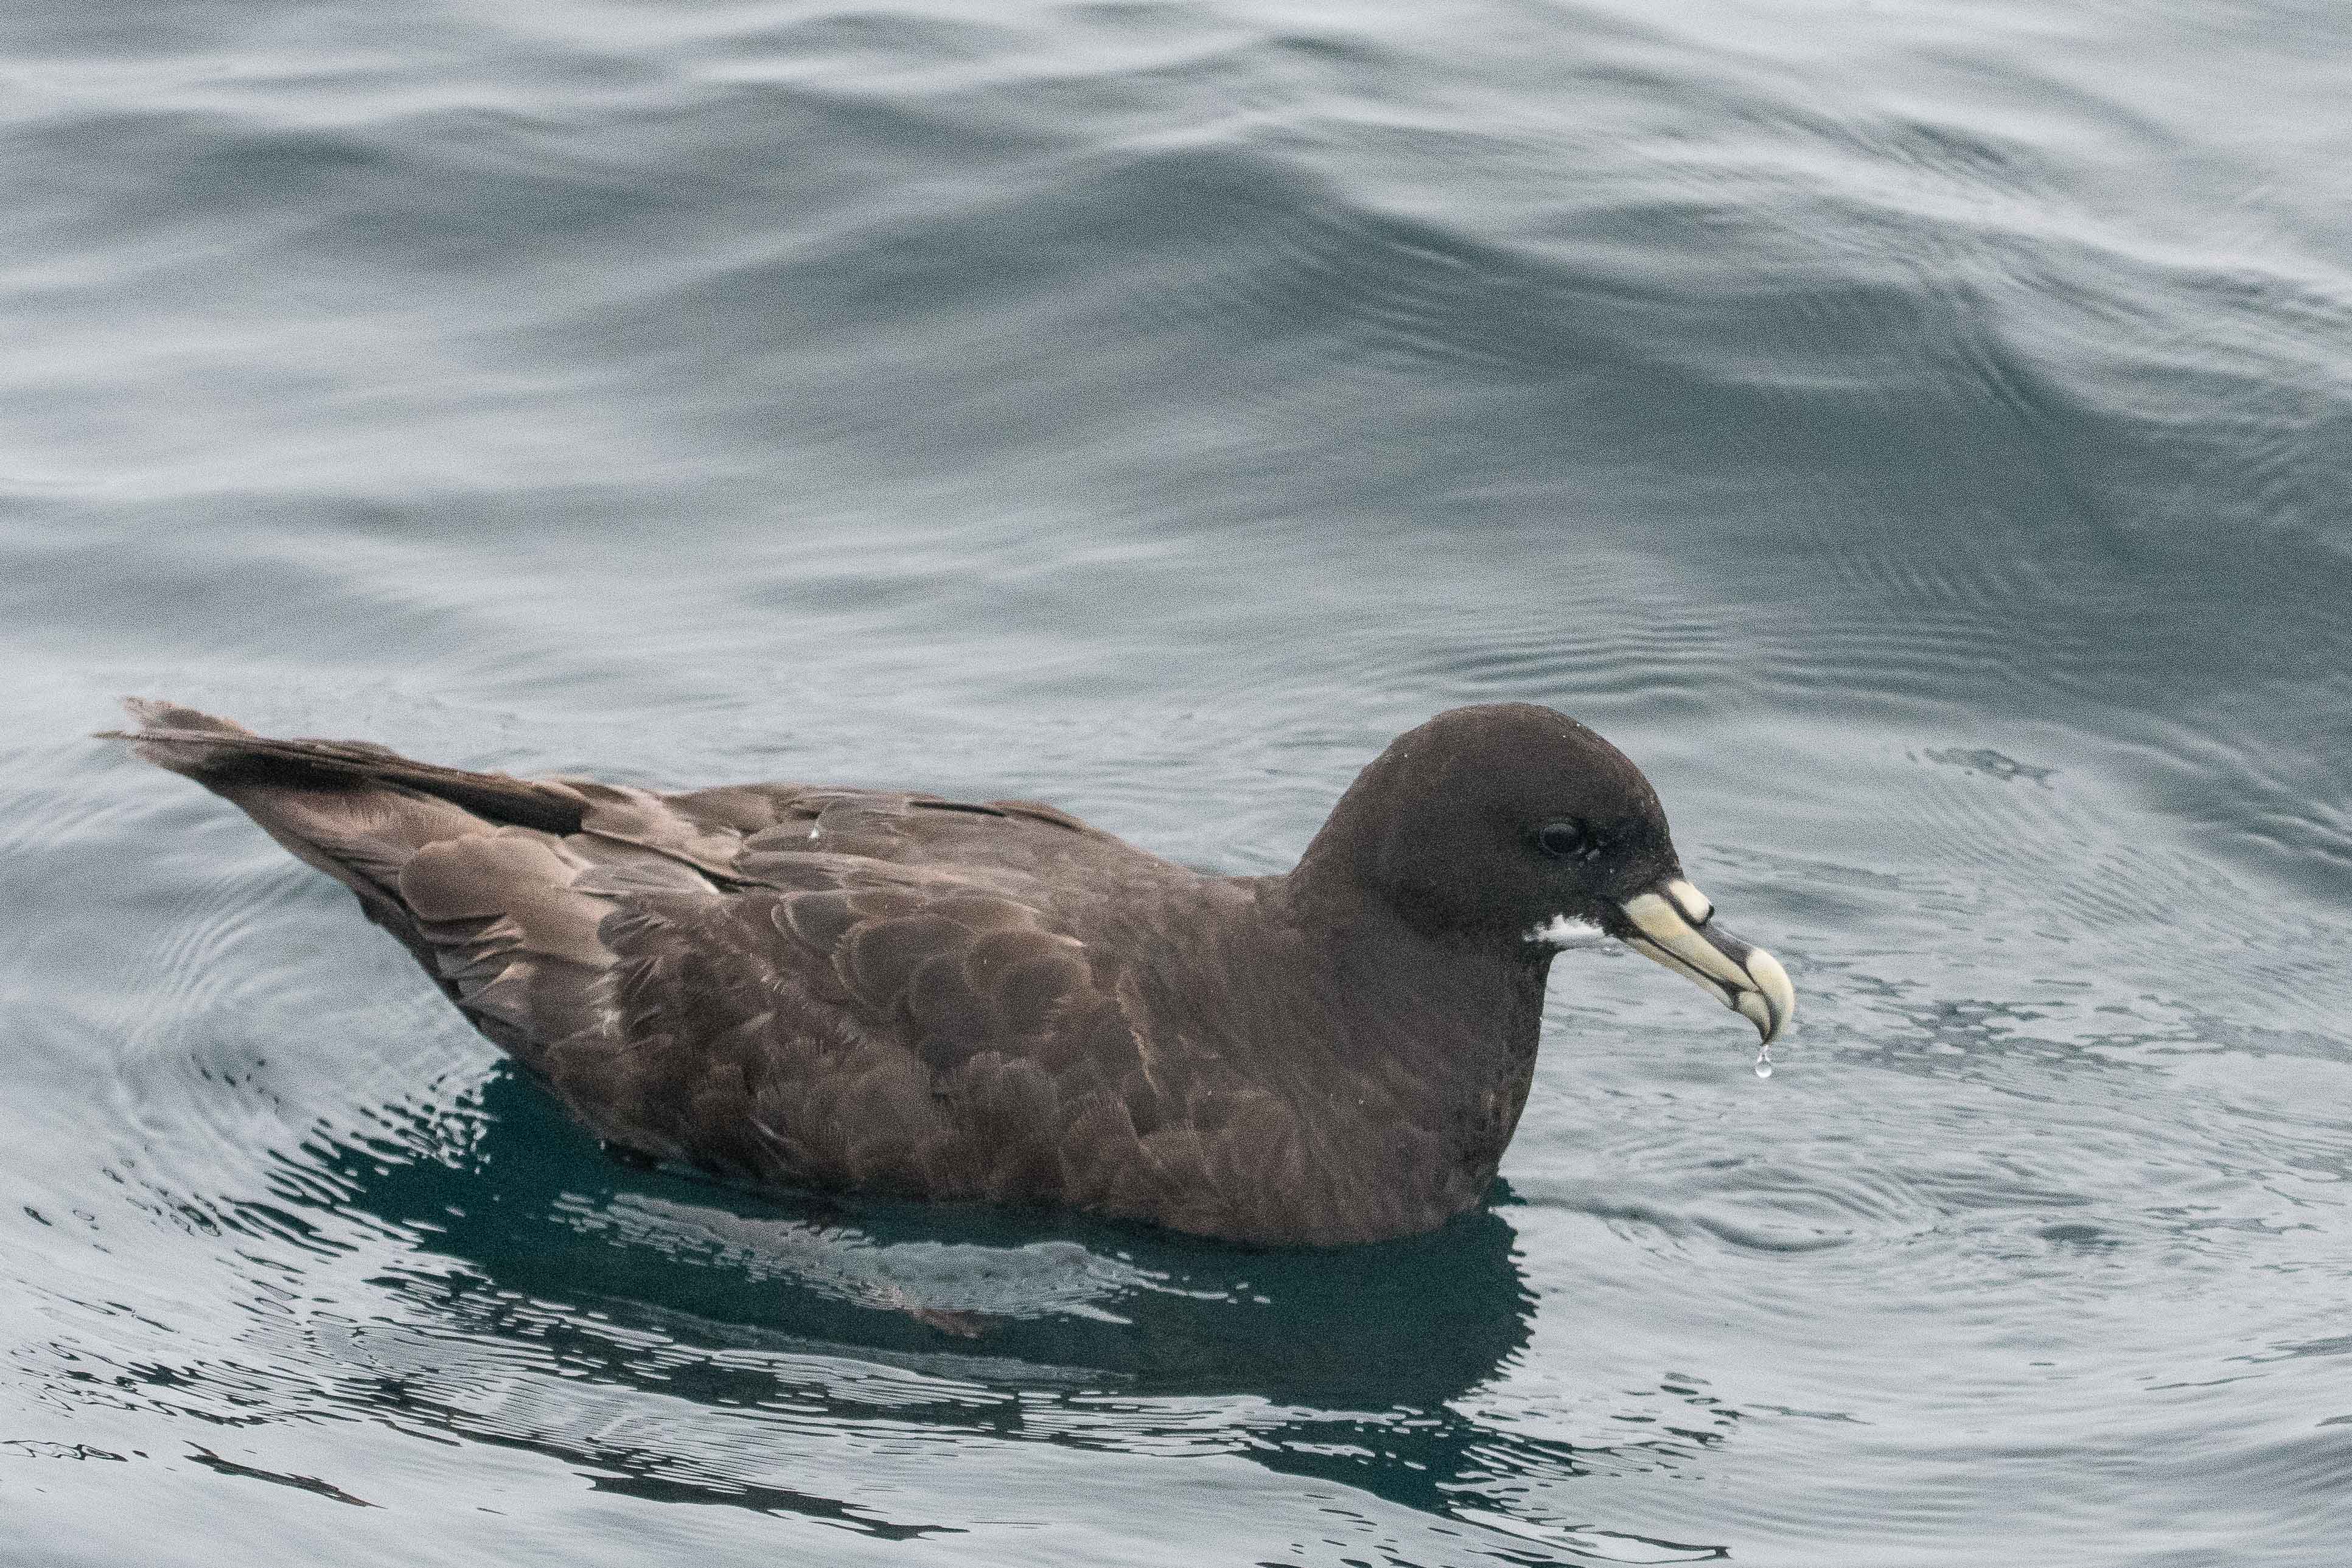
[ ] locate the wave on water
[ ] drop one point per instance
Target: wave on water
(1916, 436)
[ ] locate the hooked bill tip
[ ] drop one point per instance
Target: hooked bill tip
(1775, 997)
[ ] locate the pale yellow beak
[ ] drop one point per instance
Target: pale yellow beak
(1674, 924)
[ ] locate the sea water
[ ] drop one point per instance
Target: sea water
(1917, 434)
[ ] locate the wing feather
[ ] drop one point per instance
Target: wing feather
(885, 992)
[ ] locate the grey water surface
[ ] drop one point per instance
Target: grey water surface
(1920, 433)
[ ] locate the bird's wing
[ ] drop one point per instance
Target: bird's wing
(912, 1030)
(908, 1001)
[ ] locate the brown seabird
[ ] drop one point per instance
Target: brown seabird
(888, 993)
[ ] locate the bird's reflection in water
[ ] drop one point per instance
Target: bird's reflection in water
(541, 1252)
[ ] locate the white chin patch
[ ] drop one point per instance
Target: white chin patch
(1561, 931)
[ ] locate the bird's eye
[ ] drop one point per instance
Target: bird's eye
(1566, 841)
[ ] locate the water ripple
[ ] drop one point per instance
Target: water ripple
(1917, 437)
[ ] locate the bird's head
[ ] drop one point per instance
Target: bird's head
(1509, 823)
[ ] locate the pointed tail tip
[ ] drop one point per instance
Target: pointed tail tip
(173, 736)
(155, 714)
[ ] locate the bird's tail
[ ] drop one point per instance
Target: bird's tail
(357, 811)
(230, 759)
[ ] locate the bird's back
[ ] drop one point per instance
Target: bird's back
(862, 990)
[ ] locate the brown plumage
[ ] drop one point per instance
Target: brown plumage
(895, 994)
